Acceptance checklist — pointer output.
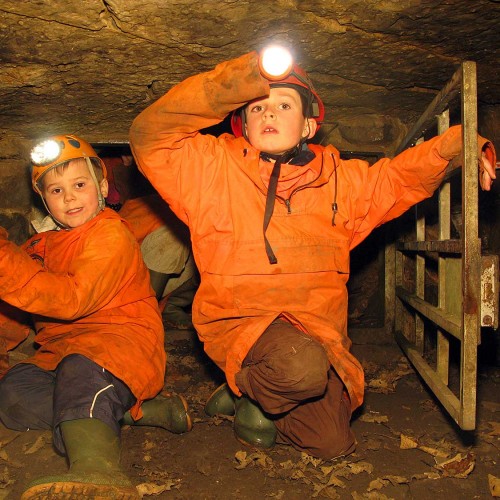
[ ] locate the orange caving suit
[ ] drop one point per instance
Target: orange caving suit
(144, 214)
(218, 185)
(88, 290)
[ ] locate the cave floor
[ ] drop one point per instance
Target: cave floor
(408, 448)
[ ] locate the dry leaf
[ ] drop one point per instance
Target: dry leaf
(297, 474)
(327, 469)
(5, 480)
(434, 451)
(258, 458)
(325, 492)
(459, 466)
(146, 489)
(397, 480)
(373, 444)
(241, 457)
(494, 484)
(358, 467)
(148, 445)
(375, 418)
(308, 459)
(407, 443)
(335, 481)
(40, 441)
(426, 475)
(496, 429)
(287, 465)
(377, 484)
(6, 436)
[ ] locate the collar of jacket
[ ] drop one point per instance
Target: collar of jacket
(322, 163)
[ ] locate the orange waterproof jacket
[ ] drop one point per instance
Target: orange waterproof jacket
(214, 185)
(89, 292)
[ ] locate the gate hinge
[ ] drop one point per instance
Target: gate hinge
(489, 291)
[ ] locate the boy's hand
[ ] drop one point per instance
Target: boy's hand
(486, 172)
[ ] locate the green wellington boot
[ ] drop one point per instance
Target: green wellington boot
(93, 451)
(170, 413)
(252, 427)
(221, 402)
(179, 301)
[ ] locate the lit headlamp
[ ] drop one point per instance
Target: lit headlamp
(275, 63)
(46, 152)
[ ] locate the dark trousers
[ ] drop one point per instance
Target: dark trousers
(33, 398)
(288, 374)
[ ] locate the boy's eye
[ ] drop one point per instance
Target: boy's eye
(257, 108)
(285, 105)
(55, 191)
(80, 184)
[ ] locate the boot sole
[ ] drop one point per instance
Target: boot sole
(189, 423)
(75, 490)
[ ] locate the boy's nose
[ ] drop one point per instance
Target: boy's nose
(69, 196)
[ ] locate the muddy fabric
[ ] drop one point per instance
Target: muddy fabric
(89, 292)
(214, 184)
(32, 398)
(163, 238)
(289, 375)
(14, 328)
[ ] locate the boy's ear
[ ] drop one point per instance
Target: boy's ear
(104, 187)
(310, 128)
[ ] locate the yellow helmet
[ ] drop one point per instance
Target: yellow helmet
(57, 150)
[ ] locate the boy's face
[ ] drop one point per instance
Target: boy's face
(71, 194)
(276, 123)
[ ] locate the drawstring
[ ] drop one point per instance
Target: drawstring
(335, 207)
(299, 155)
(268, 213)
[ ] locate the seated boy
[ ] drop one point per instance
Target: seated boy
(272, 222)
(101, 357)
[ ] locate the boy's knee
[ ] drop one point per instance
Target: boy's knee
(307, 369)
(12, 411)
(8, 395)
(334, 446)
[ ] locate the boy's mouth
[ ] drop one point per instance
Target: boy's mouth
(74, 211)
(269, 130)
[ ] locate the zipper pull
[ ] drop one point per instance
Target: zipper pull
(335, 209)
(288, 207)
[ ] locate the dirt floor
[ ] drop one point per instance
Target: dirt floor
(407, 446)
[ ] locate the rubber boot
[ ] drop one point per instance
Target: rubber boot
(252, 427)
(93, 452)
(174, 314)
(168, 413)
(221, 402)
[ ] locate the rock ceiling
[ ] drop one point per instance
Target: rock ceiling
(88, 67)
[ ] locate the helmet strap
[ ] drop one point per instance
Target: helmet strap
(100, 197)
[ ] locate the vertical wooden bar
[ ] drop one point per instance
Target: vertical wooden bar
(443, 343)
(471, 249)
(419, 276)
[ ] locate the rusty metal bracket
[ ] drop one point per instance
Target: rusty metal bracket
(489, 290)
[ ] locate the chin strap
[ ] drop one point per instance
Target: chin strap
(299, 155)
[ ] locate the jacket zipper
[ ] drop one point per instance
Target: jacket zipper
(288, 201)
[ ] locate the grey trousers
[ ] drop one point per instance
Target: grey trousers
(33, 398)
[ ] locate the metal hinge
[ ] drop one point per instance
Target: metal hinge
(489, 291)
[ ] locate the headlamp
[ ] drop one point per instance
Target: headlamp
(45, 152)
(275, 63)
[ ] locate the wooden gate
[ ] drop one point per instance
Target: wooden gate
(443, 290)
